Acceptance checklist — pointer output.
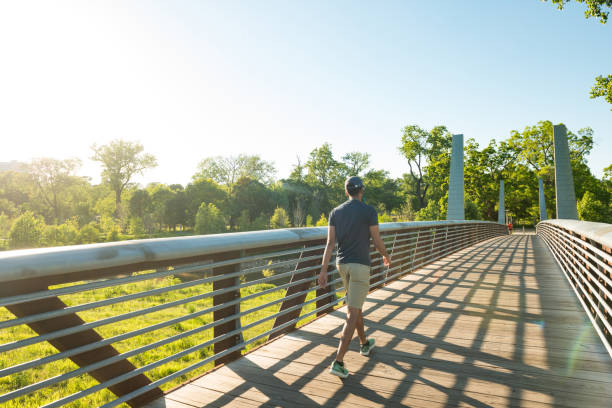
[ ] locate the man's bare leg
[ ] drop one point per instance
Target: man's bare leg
(360, 328)
(347, 333)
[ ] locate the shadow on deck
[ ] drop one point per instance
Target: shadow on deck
(493, 325)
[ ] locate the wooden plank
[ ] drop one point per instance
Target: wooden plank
(296, 381)
(491, 325)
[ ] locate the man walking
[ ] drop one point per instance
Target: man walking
(352, 224)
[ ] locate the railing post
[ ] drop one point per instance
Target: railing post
(376, 261)
(223, 313)
(391, 253)
(287, 303)
(81, 338)
(422, 243)
(327, 299)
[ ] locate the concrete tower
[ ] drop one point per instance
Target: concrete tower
(543, 216)
(564, 180)
(501, 212)
(455, 209)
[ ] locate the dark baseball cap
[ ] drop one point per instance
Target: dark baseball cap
(353, 183)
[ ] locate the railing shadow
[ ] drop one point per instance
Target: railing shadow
(494, 283)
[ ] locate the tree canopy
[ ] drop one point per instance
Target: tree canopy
(121, 160)
(48, 204)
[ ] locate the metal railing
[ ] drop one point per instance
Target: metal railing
(51, 290)
(583, 250)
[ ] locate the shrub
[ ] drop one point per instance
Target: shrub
(279, 219)
(113, 235)
(385, 217)
(5, 225)
(89, 233)
(591, 209)
(209, 220)
(259, 223)
(244, 221)
(26, 232)
(136, 226)
(322, 221)
(309, 221)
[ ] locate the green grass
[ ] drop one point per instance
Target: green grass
(76, 384)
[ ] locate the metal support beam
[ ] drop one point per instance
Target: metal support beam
(501, 212)
(543, 215)
(455, 210)
(231, 310)
(564, 180)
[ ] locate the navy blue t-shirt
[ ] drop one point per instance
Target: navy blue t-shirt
(352, 220)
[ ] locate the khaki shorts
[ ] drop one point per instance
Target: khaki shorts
(356, 280)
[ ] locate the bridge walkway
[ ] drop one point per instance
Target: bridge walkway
(493, 325)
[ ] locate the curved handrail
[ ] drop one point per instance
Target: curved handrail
(222, 277)
(45, 262)
(596, 231)
(583, 251)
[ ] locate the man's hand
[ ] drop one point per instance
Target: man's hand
(323, 279)
(387, 261)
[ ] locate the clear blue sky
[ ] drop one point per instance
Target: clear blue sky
(192, 79)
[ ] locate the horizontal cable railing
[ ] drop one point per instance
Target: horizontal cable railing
(109, 324)
(583, 250)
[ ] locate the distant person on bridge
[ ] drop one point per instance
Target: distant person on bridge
(352, 223)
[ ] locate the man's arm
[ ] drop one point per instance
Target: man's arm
(379, 244)
(329, 249)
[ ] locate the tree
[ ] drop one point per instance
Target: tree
(64, 234)
(53, 179)
(121, 161)
(253, 196)
(596, 8)
(89, 233)
(17, 190)
(607, 173)
(209, 220)
(422, 148)
(382, 191)
(279, 219)
(591, 209)
(534, 148)
(160, 194)
(26, 232)
(325, 176)
(228, 170)
(175, 212)
(602, 88)
(243, 223)
(5, 225)
(200, 191)
(432, 212)
(483, 171)
(140, 203)
(355, 163)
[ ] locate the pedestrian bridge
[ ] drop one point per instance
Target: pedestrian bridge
(466, 316)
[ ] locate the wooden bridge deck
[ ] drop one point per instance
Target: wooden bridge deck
(494, 325)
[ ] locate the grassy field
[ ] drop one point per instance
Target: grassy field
(73, 385)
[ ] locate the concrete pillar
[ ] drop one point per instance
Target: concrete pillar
(543, 215)
(501, 212)
(564, 180)
(455, 209)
